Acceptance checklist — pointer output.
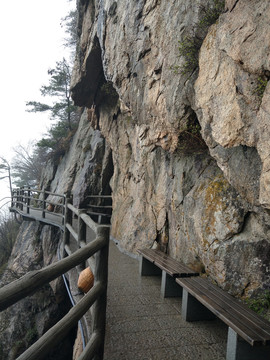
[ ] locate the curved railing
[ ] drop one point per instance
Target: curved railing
(38, 205)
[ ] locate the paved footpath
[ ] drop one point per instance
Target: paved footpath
(142, 325)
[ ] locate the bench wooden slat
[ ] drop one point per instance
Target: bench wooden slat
(147, 254)
(220, 310)
(224, 308)
(175, 270)
(238, 312)
(173, 267)
(245, 310)
(164, 260)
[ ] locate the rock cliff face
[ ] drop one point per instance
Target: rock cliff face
(205, 200)
(204, 196)
(185, 156)
(86, 168)
(24, 322)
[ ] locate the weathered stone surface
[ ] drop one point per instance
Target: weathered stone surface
(233, 59)
(85, 169)
(78, 346)
(22, 323)
(201, 211)
(136, 58)
(229, 4)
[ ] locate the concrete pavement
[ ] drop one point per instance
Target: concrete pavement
(142, 325)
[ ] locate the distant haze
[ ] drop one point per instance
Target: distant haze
(31, 43)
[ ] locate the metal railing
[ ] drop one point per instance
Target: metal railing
(33, 203)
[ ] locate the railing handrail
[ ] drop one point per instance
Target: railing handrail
(34, 189)
(61, 329)
(23, 196)
(33, 280)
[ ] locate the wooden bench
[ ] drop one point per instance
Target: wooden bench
(155, 262)
(201, 300)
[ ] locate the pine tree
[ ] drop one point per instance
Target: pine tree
(62, 110)
(59, 87)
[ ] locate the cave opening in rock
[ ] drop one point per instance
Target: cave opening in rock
(190, 138)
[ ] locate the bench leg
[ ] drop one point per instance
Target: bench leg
(239, 349)
(193, 310)
(147, 268)
(169, 288)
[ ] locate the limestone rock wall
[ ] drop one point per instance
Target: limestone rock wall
(85, 169)
(233, 112)
(24, 322)
(205, 200)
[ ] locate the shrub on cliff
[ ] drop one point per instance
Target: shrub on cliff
(190, 46)
(260, 303)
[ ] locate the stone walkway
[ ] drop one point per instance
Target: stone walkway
(142, 325)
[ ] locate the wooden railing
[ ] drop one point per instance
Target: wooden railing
(30, 202)
(26, 202)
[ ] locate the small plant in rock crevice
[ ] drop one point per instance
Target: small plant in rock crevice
(190, 46)
(212, 13)
(31, 335)
(260, 303)
(189, 49)
(18, 348)
(262, 83)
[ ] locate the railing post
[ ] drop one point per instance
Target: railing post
(18, 198)
(68, 220)
(12, 198)
(81, 229)
(28, 201)
(21, 197)
(43, 204)
(64, 210)
(99, 308)
(81, 236)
